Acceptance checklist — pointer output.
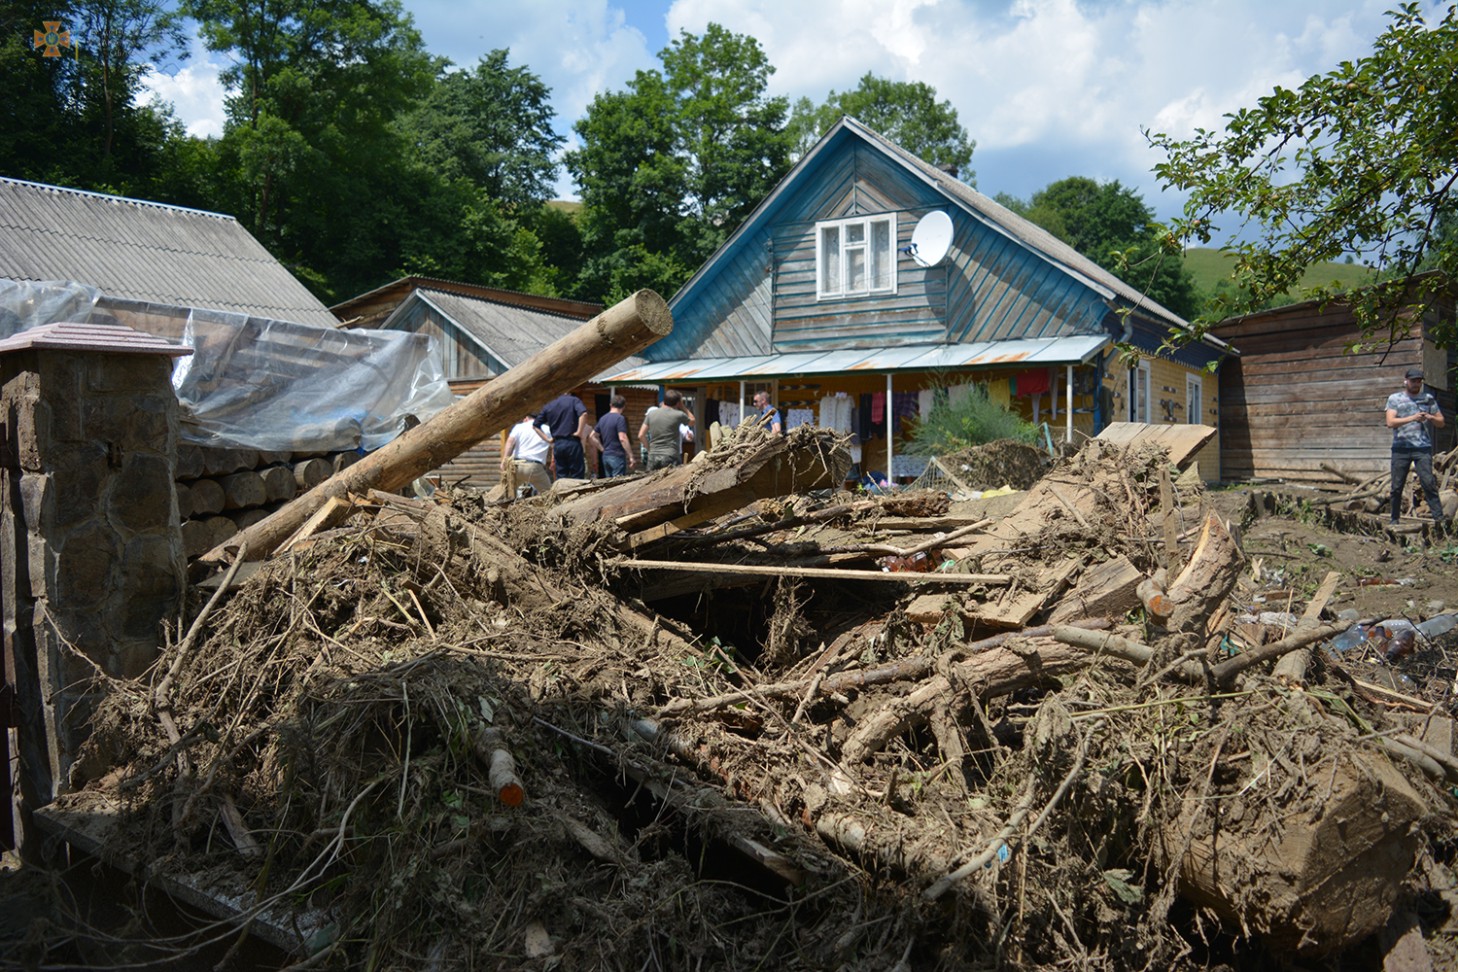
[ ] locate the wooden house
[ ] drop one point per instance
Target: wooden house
(828, 298)
(481, 332)
(1300, 405)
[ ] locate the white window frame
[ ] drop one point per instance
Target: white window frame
(1141, 380)
(1194, 399)
(844, 249)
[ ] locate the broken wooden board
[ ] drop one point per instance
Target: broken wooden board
(1180, 441)
(1013, 610)
(1105, 590)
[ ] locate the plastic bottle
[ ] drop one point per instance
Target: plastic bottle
(1400, 645)
(1348, 639)
(1438, 624)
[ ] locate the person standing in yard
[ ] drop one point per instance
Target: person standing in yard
(525, 456)
(566, 417)
(1412, 414)
(769, 416)
(611, 436)
(661, 432)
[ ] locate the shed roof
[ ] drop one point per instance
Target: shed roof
(146, 251)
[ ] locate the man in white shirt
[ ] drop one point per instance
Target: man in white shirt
(527, 457)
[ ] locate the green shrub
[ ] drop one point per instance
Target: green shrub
(971, 421)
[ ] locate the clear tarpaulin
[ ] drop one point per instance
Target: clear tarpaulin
(263, 384)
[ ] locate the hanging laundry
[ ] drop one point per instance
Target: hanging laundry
(796, 417)
(729, 414)
(1034, 381)
(878, 407)
(925, 401)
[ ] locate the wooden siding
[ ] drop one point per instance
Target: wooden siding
(1295, 399)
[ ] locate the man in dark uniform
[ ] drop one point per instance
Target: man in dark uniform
(566, 417)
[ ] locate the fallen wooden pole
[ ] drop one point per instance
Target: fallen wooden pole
(623, 329)
(908, 577)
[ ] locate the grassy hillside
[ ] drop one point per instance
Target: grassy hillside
(1210, 266)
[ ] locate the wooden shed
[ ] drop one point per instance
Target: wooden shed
(1300, 404)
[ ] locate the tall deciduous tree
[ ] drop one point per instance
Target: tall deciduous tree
(671, 165)
(491, 126)
(1360, 160)
(76, 118)
(907, 112)
(310, 151)
(1111, 225)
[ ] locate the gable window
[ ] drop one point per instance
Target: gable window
(1139, 392)
(855, 256)
(1194, 399)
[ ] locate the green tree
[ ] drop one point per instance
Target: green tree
(311, 159)
(76, 119)
(671, 165)
(906, 112)
(491, 126)
(1362, 159)
(1111, 225)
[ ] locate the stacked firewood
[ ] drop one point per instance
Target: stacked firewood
(222, 491)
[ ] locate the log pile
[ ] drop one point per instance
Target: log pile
(222, 491)
(1374, 495)
(724, 716)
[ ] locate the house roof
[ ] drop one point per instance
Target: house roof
(404, 286)
(508, 326)
(147, 251)
(995, 217)
(1015, 353)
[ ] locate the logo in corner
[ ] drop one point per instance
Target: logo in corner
(50, 41)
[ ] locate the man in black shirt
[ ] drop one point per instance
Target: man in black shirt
(566, 417)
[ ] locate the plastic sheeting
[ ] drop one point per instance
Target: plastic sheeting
(262, 384)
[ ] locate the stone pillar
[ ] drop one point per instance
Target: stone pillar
(91, 555)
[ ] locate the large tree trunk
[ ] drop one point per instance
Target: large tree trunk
(621, 330)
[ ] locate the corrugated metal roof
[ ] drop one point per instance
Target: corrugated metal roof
(509, 333)
(1020, 353)
(146, 251)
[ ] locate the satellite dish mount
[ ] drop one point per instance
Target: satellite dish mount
(931, 240)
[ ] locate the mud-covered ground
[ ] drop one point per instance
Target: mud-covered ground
(339, 698)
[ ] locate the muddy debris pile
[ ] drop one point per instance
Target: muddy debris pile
(730, 716)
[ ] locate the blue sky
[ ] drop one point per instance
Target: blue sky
(1047, 88)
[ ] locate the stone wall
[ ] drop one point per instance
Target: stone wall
(90, 552)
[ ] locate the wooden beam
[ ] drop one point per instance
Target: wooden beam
(904, 577)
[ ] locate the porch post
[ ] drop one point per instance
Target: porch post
(1068, 412)
(890, 425)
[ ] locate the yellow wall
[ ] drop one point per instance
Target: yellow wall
(1167, 402)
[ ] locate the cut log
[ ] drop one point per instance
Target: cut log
(242, 490)
(1207, 579)
(184, 501)
(279, 483)
(207, 497)
(309, 473)
(617, 332)
(1320, 881)
(221, 462)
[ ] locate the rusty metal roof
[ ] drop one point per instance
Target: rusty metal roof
(106, 338)
(146, 251)
(1020, 353)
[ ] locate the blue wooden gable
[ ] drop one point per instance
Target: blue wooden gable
(1003, 279)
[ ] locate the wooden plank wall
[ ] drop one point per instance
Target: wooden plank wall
(1295, 399)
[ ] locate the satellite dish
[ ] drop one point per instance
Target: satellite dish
(931, 239)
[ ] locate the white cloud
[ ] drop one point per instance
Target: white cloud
(194, 92)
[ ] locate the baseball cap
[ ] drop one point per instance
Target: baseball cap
(1414, 372)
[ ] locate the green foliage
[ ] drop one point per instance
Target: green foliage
(1111, 225)
(972, 420)
(675, 162)
(1359, 160)
(75, 120)
(906, 112)
(491, 126)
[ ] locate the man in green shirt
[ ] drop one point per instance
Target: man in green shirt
(660, 431)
